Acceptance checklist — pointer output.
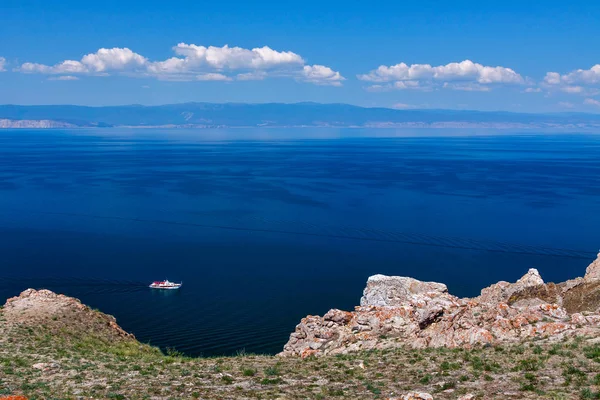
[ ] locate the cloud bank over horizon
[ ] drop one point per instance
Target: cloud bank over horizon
(194, 63)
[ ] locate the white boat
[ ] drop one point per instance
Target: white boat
(165, 285)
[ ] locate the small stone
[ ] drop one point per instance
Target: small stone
(417, 396)
(46, 366)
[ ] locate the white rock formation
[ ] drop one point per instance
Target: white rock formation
(401, 311)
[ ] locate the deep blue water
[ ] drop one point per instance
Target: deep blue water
(267, 226)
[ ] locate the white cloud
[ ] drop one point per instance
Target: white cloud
(104, 61)
(194, 62)
(472, 75)
(2, 64)
(533, 90)
(63, 78)
(592, 102)
(321, 75)
(552, 78)
(580, 81)
(114, 60)
(578, 77)
(198, 58)
(235, 57)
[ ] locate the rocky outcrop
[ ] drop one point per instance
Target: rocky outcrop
(384, 290)
(46, 308)
(401, 311)
(592, 272)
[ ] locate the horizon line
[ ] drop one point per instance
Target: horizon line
(305, 103)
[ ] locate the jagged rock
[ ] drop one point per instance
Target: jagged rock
(401, 311)
(502, 291)
(592, 272)
(531, 278)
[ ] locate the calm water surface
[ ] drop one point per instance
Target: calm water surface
(267, 226)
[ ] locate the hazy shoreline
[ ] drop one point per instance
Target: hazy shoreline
(51, 124)
(279, 115)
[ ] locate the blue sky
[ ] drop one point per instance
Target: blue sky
(533, 56)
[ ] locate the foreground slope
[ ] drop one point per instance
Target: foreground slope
(54, 347)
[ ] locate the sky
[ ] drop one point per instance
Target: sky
(527, 56)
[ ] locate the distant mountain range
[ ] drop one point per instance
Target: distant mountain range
(210, 115)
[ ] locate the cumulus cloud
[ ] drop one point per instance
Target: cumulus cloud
(193, 62)
(592, 102)
(465, 75)
(2, 64)
(104, 61)
(578, 77)
(321, 75)
(235, 57)
(580, 81)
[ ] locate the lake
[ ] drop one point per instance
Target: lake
(265, 226)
